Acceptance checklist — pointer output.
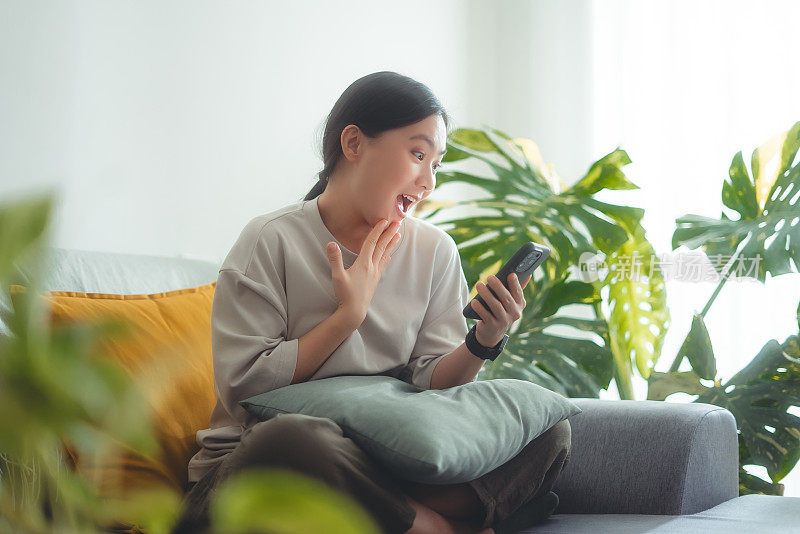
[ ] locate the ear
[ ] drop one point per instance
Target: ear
(352, 139)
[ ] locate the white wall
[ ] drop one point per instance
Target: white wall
(530, 75)
(165, 126)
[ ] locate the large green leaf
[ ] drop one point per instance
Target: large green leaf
(557, 351)
(639, 318)
(768, 204)
(526, 206)
(759, 396)
(605, 173)
(752, 485)
(697, 348)
(661, 385)
(525, 200)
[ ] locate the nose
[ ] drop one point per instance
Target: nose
(427, 179)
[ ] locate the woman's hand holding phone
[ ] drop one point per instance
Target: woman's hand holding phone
(499, 304)
(506, 309)
(355, 286)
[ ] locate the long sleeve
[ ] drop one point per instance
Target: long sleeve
(444, 326)
(248, 337)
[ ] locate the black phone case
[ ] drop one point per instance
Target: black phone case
(523, 262)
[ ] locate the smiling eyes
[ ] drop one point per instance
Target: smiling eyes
(435, 167)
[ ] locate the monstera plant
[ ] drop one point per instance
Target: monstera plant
(575, 335)
(764, 238)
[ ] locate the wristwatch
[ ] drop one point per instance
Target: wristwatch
(487, 353)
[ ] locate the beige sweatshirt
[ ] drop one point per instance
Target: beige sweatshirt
(275, 285)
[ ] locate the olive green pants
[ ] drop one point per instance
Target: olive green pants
(316, 447)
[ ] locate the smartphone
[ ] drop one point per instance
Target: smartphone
(523, 262)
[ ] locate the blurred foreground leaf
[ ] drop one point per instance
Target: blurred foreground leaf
(278, 501)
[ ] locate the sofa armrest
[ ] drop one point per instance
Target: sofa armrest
(649, 457)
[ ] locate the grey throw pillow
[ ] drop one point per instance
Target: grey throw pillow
(436, 436)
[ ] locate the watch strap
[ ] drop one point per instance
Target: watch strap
(486, 353)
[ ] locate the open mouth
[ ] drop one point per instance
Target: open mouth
(403, 203)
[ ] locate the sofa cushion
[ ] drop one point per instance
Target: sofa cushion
(66, 269)
(443, 436)
(168, 352)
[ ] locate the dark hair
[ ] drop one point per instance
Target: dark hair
(375, 103)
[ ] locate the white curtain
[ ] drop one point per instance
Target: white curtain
(682, 86)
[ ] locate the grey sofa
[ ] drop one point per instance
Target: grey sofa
(659, 467)
(635, 466)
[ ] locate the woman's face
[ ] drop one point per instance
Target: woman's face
(396, 162)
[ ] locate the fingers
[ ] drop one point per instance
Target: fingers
(388, 235)
(530, 277)
(372, 238)
(482, 312)
(495, 306)
(375, 244)
(505, 304)
(388, 252)
(335, 257)
(503, 294)
(516, 289)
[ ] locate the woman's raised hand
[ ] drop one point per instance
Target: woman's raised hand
(355, 286)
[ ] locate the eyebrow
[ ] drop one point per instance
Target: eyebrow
(428, 140)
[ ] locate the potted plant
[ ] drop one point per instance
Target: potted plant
(627, 315)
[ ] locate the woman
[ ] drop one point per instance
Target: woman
(293, 302)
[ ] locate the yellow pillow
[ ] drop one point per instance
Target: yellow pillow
(170, 339)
